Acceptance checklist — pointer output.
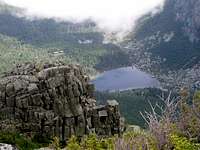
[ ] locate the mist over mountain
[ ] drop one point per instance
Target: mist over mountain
(110, 16)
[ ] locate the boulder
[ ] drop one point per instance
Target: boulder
(7, 147)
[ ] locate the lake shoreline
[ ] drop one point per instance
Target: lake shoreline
(124, 78)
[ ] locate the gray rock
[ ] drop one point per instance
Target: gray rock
(55, 101)
(32, 87)
(103, 113)
(112, 103)
(7, 147)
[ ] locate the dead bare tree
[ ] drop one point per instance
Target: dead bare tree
(160, 125)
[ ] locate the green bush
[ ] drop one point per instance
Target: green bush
(18, 140)
(92, 142)
(73, 144)
(55, 144)
(182, 143)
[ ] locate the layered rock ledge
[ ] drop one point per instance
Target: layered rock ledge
(54, 100)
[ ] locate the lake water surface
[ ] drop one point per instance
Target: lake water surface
(123, 79)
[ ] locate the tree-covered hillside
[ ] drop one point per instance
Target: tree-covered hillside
(132, 102)
(13, 52)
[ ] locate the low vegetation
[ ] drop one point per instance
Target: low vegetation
(20, 141)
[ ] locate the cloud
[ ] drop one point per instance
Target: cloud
(112, 15)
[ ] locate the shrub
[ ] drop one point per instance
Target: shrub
(136, 140)
(182, 143)
(189, 119)
(91, 142)
(55, 144)
(73, 144)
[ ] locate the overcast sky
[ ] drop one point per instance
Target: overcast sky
(111, 14)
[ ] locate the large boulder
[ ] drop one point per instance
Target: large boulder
(54, 100)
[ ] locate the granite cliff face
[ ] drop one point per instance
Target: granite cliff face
(54, 100)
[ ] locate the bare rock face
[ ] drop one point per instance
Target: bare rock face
(54, 100)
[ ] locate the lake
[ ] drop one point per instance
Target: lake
(123, 79)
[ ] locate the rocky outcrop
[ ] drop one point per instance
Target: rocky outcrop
(54, 100)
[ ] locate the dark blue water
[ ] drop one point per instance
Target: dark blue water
(123, 79)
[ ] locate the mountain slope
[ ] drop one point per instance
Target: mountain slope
(167, 44)
(164, 35)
